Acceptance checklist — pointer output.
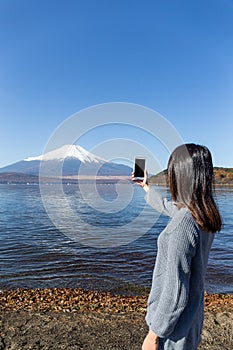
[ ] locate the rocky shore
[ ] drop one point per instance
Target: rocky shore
(79, 319)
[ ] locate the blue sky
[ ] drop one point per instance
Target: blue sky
(59, 57)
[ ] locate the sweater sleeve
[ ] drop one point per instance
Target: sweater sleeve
(160, 204)
(163, 311)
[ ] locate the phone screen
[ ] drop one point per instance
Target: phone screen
(139, 167)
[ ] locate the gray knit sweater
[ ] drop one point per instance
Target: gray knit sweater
(176, 302)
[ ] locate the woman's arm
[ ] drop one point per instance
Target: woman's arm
(154, 198)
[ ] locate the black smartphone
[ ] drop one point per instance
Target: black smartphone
(139, 167)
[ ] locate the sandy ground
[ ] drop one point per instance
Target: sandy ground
(92, 320)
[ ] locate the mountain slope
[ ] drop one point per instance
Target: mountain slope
(67, 160)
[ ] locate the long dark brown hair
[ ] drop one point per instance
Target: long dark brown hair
(190, 179)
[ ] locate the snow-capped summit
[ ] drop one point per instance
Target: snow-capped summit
(68, 151)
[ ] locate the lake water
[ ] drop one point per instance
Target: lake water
(34, 253)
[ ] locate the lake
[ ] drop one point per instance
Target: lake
(104, 243)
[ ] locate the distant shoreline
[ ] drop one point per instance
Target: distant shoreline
(20, 178)
(223, 177)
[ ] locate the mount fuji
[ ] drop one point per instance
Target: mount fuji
(68, 160)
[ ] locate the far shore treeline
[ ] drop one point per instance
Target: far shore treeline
(222, 177)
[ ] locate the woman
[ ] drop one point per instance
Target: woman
(175, 309)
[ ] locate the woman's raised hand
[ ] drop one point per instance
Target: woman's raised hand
(142, 183)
